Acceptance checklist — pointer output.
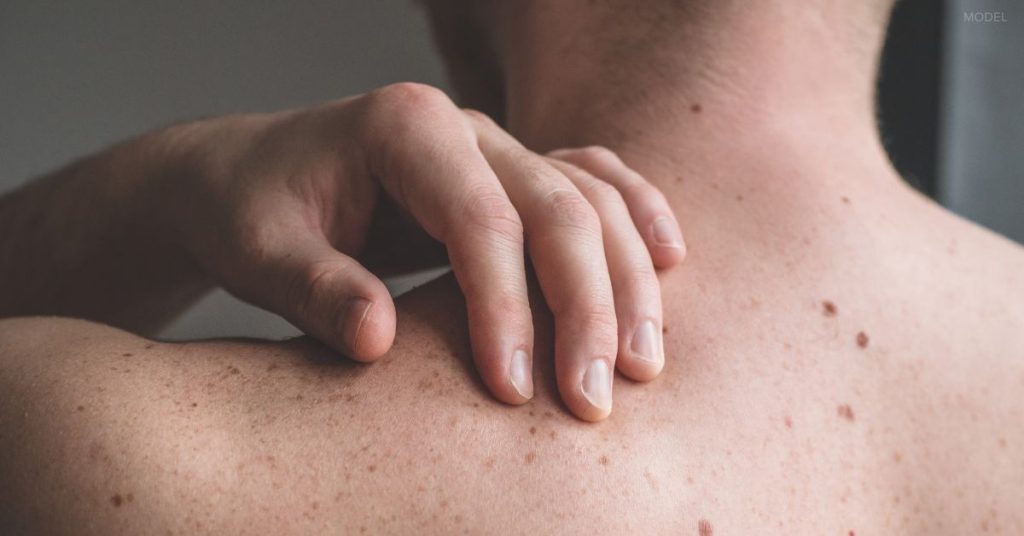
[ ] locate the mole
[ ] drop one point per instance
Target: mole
(664, 330)
(845, 411)
(371, 468)
(696, 108)
(81, 408)
(862, 339)
(603, 460)
(533, 430)
(704, 528)
(116, 500)
(739, 197)
(846, 200)
(852, 533)
(126, 354)
(829, 308)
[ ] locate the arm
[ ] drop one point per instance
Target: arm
(82, 242)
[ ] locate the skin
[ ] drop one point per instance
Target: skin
(276, 208)
(843, 356)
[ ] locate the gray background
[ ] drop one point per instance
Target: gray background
(77, 76)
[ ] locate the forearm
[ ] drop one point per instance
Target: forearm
(89, 241)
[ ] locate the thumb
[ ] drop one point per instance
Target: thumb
(329, 296)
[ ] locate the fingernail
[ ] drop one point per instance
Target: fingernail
(666, 234)
(355, 316)
(519, 374)
(597, 385)
(645, 342)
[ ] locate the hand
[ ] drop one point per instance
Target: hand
(281, 204)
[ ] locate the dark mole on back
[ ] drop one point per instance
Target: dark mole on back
(845, 411)
(126, 354)
(704, 528)
(829, 309)
(862, 339)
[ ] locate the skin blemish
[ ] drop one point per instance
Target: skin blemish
(193, 404)
(897, 457)
(862, 339)
(272, 367)
(81, 408)
(148, 346)
(603, 460)
(789, 421)
(127, 354)
(846, 200)
(739, 197)
(829, 309)
(664, 330)
(696, 108)
(371, 468)
(846, 412)
(704, 528)
(531, 457)
(533, 430)
(117, 500)
(233, 369)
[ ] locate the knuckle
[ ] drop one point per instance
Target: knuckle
(597, 156)
(568, 208)
(602, 192)
(406, 102)
(493, 213)
(478, 117)
(306, 284)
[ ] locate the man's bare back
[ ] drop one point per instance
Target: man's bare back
(863, 380)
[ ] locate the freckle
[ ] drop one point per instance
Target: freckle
(371, 468)
(233, 369)
(531, 457)
(126, 354)
(116, 500)
(603, 460)
(829, 309)
(1002, 442)
(897, 457)
(476, 404)
(552, 434)
(664, 330)
(81, 408)
(845, 411)
(148, 346)
(533, 430)
(679, 179)
(696, 108)
(846, 200)
(271, 367)
(739, 197)
(704, 528)
(315, 505)
(193, 404)
(789, 421)
(532, 413)
(548, 414)
(862, 339)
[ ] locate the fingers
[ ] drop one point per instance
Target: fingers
(563, 234)
(648, 208)
(439, 176)
(635, 285)
(325, 294)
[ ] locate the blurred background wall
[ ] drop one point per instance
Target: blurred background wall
(76, 76)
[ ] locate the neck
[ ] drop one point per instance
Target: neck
(701, 115)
